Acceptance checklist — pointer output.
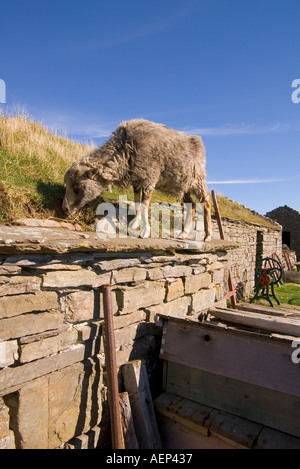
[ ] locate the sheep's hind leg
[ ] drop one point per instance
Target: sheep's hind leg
(203, 196)
(207, 221)
(189, 213)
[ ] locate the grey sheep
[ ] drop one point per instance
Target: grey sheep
(145, 155)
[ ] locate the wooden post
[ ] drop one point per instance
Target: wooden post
(231, 293)
(112, 374)
(217, 213)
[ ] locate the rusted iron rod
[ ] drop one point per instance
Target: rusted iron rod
(231, 292)
(112, 372)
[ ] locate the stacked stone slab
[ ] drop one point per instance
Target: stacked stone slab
(255, 243)
(52, 361)
(289, 219)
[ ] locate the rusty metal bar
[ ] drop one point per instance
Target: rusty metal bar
(231, 294)
(112, 372)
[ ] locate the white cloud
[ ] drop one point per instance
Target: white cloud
(237, 129)
(253, 181)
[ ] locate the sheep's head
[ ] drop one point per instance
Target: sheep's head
(82, 186)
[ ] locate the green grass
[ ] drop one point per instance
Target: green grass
(288, 294)
(33, 162)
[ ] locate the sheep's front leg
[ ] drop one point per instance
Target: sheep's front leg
(135, 223)
(145, 232)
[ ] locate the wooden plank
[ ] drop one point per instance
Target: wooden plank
(234, 428)
(127, 422)
(207, 421)
(261, 405)
(271, 439)
(268, 310)
(234, 354)
(191, 414)
(265, 322)
(137, 385)
(176, 435)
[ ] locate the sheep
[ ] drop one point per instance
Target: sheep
(145, 155)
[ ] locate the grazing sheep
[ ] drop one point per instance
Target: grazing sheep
(145, 155)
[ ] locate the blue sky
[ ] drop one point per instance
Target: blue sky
(222, 69)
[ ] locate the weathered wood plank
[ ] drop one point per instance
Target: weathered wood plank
(191, 414)
(239, 355)
(137, 385)
(261, 405)
(256, 320)
(127, 422)
(271, 439)
(284, 312)
(207, 421)
(179, 436)
(234, 428)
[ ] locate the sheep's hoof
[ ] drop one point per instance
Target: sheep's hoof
(182, 235)
(207, 239)
(145, 233)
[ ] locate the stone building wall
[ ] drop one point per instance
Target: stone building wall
(255, 243)
(289, 219)
(52, 361)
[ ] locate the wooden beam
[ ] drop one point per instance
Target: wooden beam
(217, 213)
(256, 320)
(231, 294)
(268, 310)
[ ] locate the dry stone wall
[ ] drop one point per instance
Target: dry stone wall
(255, 243)
(290, 221)
(52, 361)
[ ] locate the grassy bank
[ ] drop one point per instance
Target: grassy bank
(32, 165)
(33, 162)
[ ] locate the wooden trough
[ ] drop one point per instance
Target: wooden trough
(230, 381)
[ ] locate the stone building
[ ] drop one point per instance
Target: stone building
(289, 219)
